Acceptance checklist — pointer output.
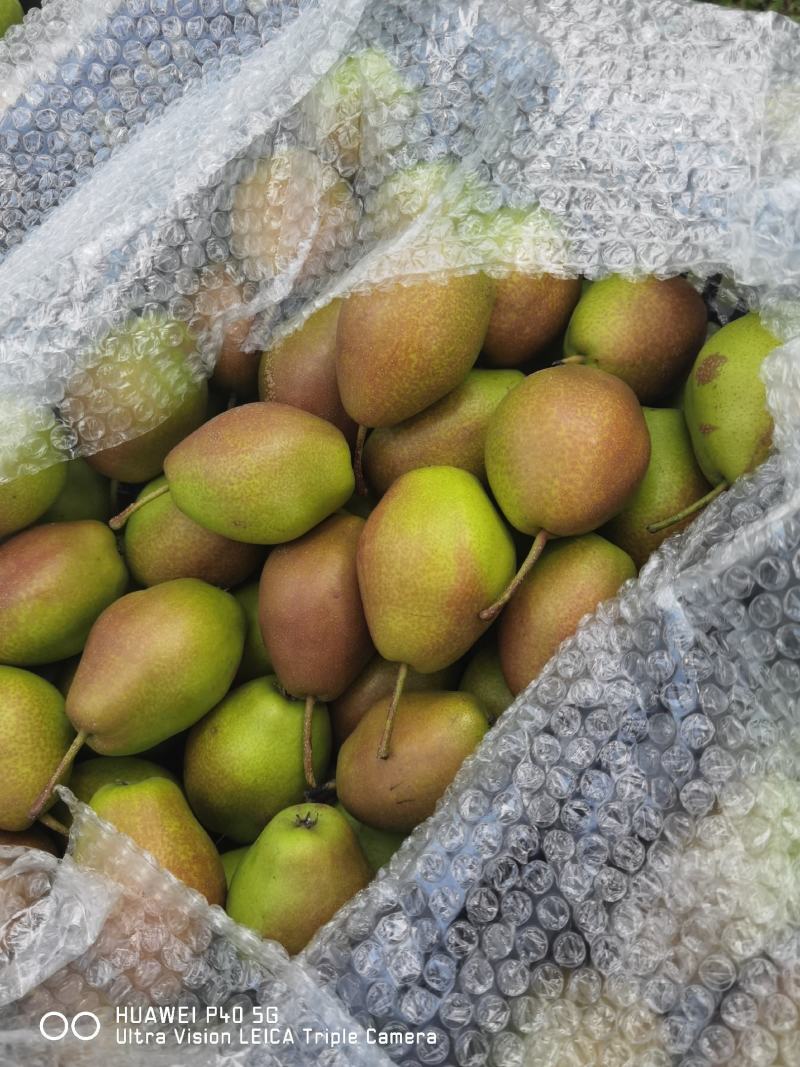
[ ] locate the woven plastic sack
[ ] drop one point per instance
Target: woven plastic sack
(613, 877)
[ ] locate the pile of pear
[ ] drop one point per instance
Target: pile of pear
(268, 679)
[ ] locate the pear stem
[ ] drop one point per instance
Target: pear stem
(698, 505)
(119, 520)
(383, 748)
(308, 752)
(66, 761)
(54, 824)
(490, 614)
(358, 461)
(567, 360)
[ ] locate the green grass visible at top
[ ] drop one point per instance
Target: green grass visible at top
(783, 7)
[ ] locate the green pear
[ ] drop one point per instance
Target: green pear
(11, 12)
(86, 495)
(566, 450)
(300, 370)
(231, 860)
(244, 761)
(673, 482)
(401, 348)
(433, 734)
(92, 774)
(377, 845)
(433, 553)
(304, 866)
(32, 469)
(645, 331)
(451, 432)
(255, 660)
(161, 543)
(36, 734)
(442, 190)
(572, 577)
(262, 473)
(34, 837)
(484, 678)
(155, 815)
(155, 358)
(55, 580)
(725, 401)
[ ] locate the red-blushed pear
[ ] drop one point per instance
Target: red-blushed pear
(530, 313)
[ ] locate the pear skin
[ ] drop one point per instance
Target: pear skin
(35, 837)
(155, 815)
(11, 12)
(304, 866)
(244, 761)
(432, 736)
(262, 473)
(255, 661)
(377, 845)
(55, 580)
(236, 369)
(571, 578)
(92, 774)
(451, 432)
(32, 470)
(86, 495)
(432, 555)
(530, 312)
(231, 860)
(483, 678)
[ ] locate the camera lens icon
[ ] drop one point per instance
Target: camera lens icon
(54, 1026)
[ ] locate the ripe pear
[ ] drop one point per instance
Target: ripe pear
(244, 761)
(401, 348)
(32, 469)
(566, 450)
(218, 307)
(54, 582)
(255, 660)
(34, 837)
(155, 815)
(11, 12)
(154, 358)
(378, 680)
(161, 543)
(484, 678)
(673, 482)
(92, 774)
(262, 473)
(451, 432)
(378, 846)
(300, 370)
(433, 553)
(86, 495)
(36, 734)
(725, 401)
(231, 860)
(530, 313)
(646, 331)
(304, 866)
(437, 188)
(433, 734)
(572, 577)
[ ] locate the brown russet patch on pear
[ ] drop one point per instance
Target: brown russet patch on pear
(707, 428)
(710, 368)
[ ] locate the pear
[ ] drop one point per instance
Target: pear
(155, 815)
(244, 761)
(646, 331)
(483, 678)
(725, 401)
(161, 543)
(300, 369)
(154, 358)
(262, 473)
(92, 774)
(451, 432)
(378, 846)
(404, 346)
(34, 837)
(86, 495)
(36, 734)
(433, 734)
(572, 577)
(672, 483)
(437, 188)
(255, 660)
(55, 580)
(11, 12)
(32, 469)
(231, 860)
(304, 866)
(378, 680)
(530, 313)
(217, 306)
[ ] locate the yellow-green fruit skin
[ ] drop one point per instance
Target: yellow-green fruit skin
(304, 866)
(155, 662)
(155, 815)
(673, 481)
(161, 543)
(432, 555)
(433, 734)
(725, 402)
(530, 313)
(92, 774)
(10, 13)
(402, 348)
(377, 845)
(565, 450)
(26, 442)
(244, 761)
(646, 331)
(36, 733)
(231, 860)
(55, 580)
(86, 495)
(263, 473)
(484, 679)
(451, 432)
(255, 660)
(569, 580)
